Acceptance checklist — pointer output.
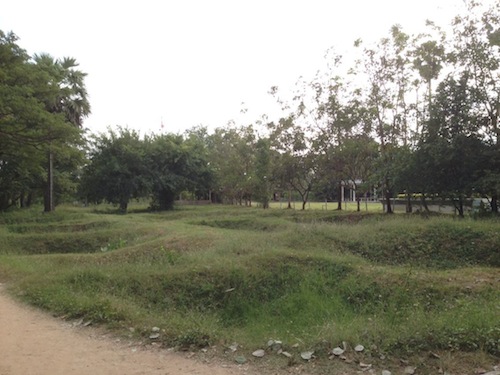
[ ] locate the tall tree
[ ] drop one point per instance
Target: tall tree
(389, 77)
(295, 164)
(339, 117)
(174, 165)
(68, 98)
(429, 57)
(454, 141)
(27, 128)
(477, 53)
(117, 171)
(202, 178)
(232, 158)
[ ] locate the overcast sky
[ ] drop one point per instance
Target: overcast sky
(195, 62)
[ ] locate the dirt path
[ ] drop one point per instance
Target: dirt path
(32, 342)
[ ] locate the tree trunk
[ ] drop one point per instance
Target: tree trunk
(409, 208)
(123, 206)
(358, 200)
(388, 203)
(289, 199)
(494, 204)
(22, 200)
(424, 203)
(460, 208)
(388, 197)
(339, 197)
(304, 197)
(49, 194)
(166, 200)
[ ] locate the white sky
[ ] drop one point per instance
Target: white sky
(194, 62)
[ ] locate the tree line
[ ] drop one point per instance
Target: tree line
(411, 114)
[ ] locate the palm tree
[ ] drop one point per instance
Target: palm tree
(68, 97)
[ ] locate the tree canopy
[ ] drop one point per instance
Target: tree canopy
(414, 114)
(28, 126)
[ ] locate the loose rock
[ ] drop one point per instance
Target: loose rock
(359, 348)
(274, 344)
(386, 372)
(410, 370)
(259, 353)
(338, 351)
(155, 329)
(307, 355)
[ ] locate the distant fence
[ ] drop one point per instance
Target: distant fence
(433, 205)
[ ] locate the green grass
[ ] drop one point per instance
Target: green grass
(399, 284)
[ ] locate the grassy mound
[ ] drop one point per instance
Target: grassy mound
(439, 242)
(210, 275)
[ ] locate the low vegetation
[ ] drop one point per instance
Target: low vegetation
(409, 288)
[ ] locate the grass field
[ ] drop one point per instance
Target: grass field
(414, 290)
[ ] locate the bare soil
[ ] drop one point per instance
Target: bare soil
(33, 342)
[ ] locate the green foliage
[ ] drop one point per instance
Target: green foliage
(70, 96)
(32, 126)
(124, 166)
(116, 171)
(175, 164)
(294, 163)
(428, 60)
(231, 154)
